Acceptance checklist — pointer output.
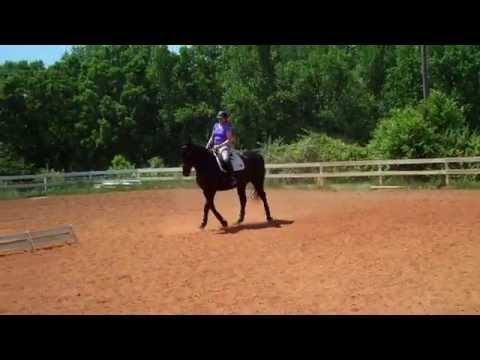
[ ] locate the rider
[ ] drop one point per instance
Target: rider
(222, 139)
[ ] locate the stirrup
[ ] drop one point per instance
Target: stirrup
(228, 168)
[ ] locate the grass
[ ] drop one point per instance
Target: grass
(86, 188)
(465, 183)
(364, 184)
(12, 195)
(355, 184)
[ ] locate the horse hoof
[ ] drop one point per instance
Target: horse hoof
(224, 224)
(239, 222)
(270, 220)
(202, 226)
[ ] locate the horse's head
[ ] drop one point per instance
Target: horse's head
(188, 157)
(192, 156)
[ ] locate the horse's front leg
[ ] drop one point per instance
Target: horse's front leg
(243, 201)
(210, 196)
(205, 213)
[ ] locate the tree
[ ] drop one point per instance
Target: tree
(429, 129)
(403, 84)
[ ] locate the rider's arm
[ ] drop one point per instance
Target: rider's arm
(229, 140)
(210, 142)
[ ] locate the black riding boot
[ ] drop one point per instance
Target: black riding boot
(229, 168)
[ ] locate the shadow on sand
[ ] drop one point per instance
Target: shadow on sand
(256, 226)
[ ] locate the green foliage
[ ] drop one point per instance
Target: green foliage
(119, 162)
(474, 145)
(156, 162)
(403, 85)
(142, 101)
(331, 96)
(12, 165)
(402, 136)
(433, 129)
(455, 70)
(313, 147)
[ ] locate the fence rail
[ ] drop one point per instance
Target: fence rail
(321, 171)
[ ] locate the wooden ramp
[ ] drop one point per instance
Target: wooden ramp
(34, 240)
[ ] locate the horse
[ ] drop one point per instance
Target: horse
(211, 179)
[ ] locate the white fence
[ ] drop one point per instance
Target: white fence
(380, 169)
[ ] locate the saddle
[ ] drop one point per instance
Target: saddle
(235, 159)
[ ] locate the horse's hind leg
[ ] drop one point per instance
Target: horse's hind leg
(211, 205)
(261, 192)
(205, 214)
(243, 202)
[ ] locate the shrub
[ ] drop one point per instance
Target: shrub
(156, 162)
(119, 162)
(435, 128)
(313, 147)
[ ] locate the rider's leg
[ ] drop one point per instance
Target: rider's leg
(225, 154)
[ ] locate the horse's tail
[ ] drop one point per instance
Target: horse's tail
(257, 162)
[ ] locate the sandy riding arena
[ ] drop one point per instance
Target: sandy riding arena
(391, 252)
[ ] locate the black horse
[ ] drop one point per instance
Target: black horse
(211, 179)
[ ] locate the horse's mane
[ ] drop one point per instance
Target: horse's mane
(199, 150)
(198, 147)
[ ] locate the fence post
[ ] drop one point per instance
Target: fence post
(45, 186)
(447, 178)
(320, 176)
(380, 178)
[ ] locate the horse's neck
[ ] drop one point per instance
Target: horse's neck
(204, 163)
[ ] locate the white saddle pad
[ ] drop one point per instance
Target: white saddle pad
(236, 160)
